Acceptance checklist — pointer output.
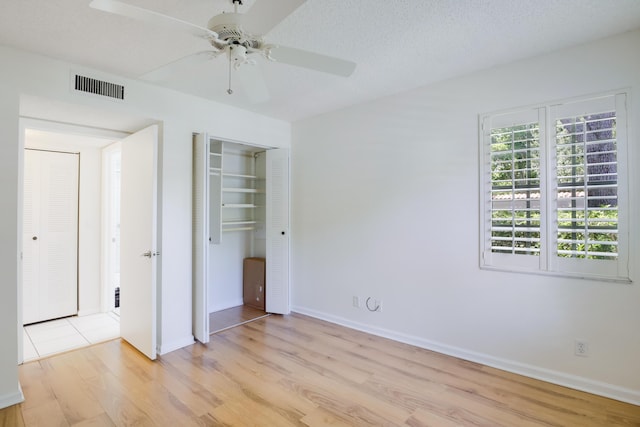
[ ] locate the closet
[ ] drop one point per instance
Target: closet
(240, 212)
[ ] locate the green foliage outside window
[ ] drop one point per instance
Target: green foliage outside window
(586, 167)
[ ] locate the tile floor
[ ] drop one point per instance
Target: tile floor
(57, 336)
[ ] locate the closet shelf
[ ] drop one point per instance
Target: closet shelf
(239, 205)
(237, 175)
(239, 222)
(239, 229)
(242, 190)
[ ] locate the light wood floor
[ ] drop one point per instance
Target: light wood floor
(294, 370)
(234, 316)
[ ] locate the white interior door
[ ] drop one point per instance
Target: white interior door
(50, 235)
(200, 238)
(138, 240)
(277, 226)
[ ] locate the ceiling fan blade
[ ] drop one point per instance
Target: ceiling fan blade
(149, 16)
(163, 72)
(252, 83)
(313, 61)
(266, 14)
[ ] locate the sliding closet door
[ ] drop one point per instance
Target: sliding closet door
(50, 235)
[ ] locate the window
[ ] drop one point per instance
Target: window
(553, 189)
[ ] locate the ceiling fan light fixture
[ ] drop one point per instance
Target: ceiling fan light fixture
(237, 53)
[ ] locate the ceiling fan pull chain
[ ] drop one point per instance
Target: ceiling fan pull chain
(229, 91)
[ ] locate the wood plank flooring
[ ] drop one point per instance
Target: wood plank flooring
(234, 316)
(294, 371)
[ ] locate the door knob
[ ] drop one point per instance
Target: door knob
(147, 254)
(34, 238)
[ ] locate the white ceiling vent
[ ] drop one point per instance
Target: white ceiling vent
(98, 87)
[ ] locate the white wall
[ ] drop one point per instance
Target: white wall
(10, 157)
(226, 268)
(27, 74)
(385, 204)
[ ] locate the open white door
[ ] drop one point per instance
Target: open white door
(138, 240)
(277, 226)
(200, 237)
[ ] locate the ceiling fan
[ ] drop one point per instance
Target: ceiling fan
(240, 37)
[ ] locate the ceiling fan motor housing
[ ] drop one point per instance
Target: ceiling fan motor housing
(230, 31)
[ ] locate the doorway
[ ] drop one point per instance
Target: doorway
(240, 232)
(71, 122)
(68, 305)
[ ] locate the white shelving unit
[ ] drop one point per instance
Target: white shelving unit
(242, 190)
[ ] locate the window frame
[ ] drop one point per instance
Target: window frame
(547, 262)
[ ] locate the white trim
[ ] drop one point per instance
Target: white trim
(512, 269)
(88, 312)
(175, 345)
(107, 297)
(72, 129)
(556, 377)
(11, 399)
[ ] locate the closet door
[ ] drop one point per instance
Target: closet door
(50, 235)
(200, 237)
(277, 226)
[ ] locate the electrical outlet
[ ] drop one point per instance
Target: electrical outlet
(581, 348)
(356, 302)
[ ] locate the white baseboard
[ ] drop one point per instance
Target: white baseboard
(175, 345)
(12, 398)
(555, 377)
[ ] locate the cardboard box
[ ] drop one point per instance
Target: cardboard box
(253, 282)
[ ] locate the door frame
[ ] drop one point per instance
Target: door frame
(200, 287)
(44, 124)
(108, 297)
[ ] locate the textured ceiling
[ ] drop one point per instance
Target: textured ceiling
(397, 44)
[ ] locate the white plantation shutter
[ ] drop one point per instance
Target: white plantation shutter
(515, 189)
(590, 190)
(556, 204)
(587, 184)
(512, 212)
